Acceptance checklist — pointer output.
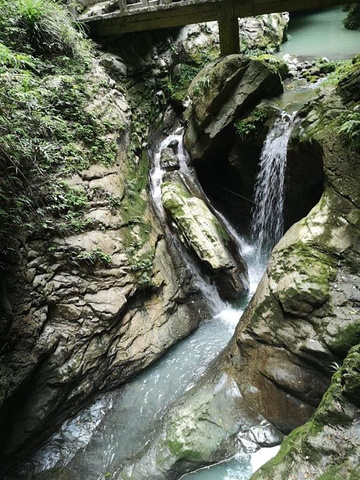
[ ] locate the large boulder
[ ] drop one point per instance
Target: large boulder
(201, 429)
(207, 239)
(223, 91)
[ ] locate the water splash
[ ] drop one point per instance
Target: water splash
(268, 220)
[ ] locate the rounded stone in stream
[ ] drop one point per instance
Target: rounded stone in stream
(168, 160)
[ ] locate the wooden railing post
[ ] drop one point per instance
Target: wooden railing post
(228, 28)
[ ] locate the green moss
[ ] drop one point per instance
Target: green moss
(338, 472)
(299, 257)
(343, 69)
(348, 337)
(181, 451)
(275, 63)
(352, 21)
(306, 442)
(221, 230)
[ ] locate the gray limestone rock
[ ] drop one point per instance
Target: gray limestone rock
(222, 92)
(207, 238)
(304, 315)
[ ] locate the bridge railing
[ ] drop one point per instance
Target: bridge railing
(125, 5)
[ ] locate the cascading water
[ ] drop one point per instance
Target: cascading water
(268, 221)
(156, 177)
(119, 424)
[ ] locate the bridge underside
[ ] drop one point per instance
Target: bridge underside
(165, 15)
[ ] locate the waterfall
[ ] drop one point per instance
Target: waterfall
(160, 173)
(268, 220)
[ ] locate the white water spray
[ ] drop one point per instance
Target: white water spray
(268, 220)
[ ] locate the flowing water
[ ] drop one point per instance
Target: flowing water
(93, 443)
(120, 423)
(268, 224)
(320, 34)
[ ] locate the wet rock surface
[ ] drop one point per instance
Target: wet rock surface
(85, 312)
(201, 429)
(207, 238)
(328, 445)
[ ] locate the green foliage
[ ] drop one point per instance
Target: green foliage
(42, 25)
(339, 70)
(201, 87)
(17, 61)
(350, 128)
(94, 256)
(61, 210)
(246, 127)
(45, 129)
(178, 83)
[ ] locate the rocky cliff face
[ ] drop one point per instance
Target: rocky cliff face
(327, 446)
(93, 293)
(302, 316)
(90, 292)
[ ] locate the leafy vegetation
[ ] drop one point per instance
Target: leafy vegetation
(47, 130)
(36, 26)
(339, 70)
(350, 128)
(179, 81)
(94, 256)
(247, 126)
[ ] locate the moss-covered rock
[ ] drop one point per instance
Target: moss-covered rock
(352, 21)
(276, 63)
(199, 430)
(222, 92)
(328, 445)
(207, 238)
(305, 315)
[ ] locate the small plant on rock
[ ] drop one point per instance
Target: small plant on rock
(92, 257)
(247, 126)
(351, 128)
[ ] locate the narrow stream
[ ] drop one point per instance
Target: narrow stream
(120, 423)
